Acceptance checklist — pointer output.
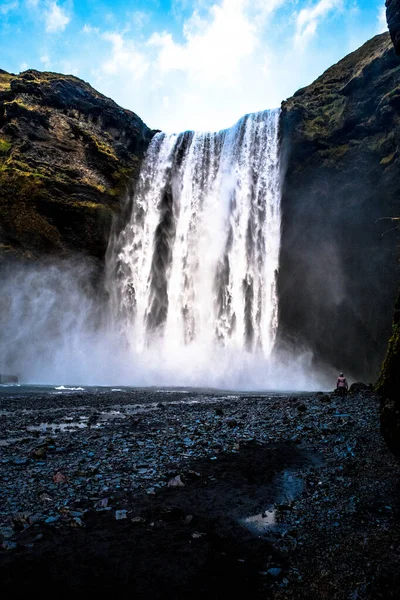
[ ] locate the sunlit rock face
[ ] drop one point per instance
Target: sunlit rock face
(339, 270)
(393, 21)
(67, 153)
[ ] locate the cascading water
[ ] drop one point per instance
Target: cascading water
(191, 279)
(196, 264)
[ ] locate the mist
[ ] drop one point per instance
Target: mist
(56, 329)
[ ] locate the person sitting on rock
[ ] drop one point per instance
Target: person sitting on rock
(341, 385)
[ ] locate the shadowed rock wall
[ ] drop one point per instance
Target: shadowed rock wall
(393, 21)
(339, 269)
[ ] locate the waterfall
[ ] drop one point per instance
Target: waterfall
(196, 264)
(190, 279)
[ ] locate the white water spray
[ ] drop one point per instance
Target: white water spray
(191, 279)
(196, 264)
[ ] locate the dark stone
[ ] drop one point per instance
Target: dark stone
(388, 387)
(358, 386)
(324, 398)
(390, 424)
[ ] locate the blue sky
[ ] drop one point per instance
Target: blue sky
(187, 64)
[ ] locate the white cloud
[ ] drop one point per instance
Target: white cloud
(89, 29)
(8, 7)
(124, 57)
(46, 62)
(213, 49)
(23, 66)
(140, 18)
(56, 18)
(222, 60)
(68, 67)
(381, 18)
(308, 20)
(206, 75)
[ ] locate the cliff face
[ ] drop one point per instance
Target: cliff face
(66, 155)
(393, 21)
(388, 384)
(339, 269)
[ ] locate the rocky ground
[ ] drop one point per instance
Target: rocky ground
(156, 494)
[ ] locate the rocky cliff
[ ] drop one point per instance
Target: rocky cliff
(339, 263)
(393, 21)
(388, 384)
(67, 154)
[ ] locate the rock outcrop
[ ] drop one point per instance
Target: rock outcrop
(388, 387)
(393, 21)
(339, 268)
(67, 154)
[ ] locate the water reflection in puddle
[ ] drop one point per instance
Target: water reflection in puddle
(45, 427)
(262, 522)
(289, 486)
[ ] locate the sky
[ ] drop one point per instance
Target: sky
(187, 64)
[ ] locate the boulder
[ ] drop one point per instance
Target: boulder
(358, 386)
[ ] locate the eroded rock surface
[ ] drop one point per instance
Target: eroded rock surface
(339, 267)
(67, 153)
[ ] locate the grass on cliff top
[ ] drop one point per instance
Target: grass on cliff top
(5, 79)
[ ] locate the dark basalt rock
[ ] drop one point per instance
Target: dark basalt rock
(339, 266)
(67, 154)
(388, 386)
(393, 21)
(358, 387)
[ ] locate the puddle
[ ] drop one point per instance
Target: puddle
(8, 441)
(53, 427)
(262, 522)
(288, 486)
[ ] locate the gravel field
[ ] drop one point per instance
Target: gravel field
(187, 494)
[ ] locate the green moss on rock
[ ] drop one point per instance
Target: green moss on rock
(82, 148)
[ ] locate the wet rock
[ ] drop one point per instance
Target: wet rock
(22, 519)
(59, 477)
(324, 398)
(7, 545)
(274, 571)
(357, 387)
(6, 532)
(176, 482)
(121, 514)
(40, 452)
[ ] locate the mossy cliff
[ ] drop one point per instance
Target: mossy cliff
(67, 153)
(339, 268)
